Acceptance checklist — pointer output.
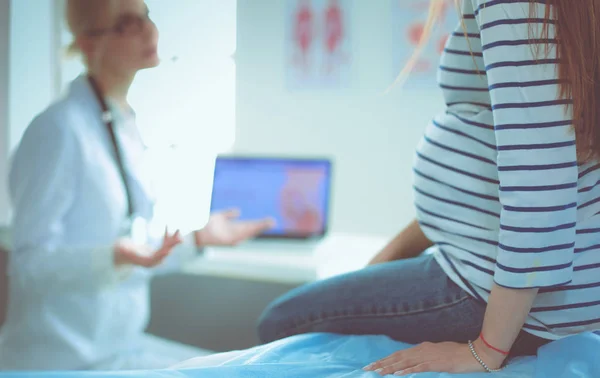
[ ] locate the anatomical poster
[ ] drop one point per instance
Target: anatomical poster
(318, 51)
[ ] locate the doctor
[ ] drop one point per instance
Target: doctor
(83, 254)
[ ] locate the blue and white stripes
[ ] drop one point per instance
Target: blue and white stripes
(497, 184)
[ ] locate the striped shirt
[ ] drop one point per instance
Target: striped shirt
(498, 187)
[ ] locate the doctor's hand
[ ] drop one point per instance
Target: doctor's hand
(223, 229)
(128, 253)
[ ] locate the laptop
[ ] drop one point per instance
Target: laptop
(295, 192)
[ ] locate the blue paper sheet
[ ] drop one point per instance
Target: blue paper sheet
(327, 355)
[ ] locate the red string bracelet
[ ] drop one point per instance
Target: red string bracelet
(492, 347)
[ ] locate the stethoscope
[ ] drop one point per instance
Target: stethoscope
(136, 225)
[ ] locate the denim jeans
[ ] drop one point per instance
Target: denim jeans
(411, 300)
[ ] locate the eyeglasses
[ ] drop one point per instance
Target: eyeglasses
(127, 24)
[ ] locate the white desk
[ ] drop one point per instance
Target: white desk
(337, 253)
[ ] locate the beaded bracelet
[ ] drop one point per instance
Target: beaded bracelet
(474, 353)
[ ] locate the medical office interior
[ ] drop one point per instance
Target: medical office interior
(250, 82)
(221, 88)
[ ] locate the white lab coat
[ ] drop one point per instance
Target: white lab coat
(69, 307)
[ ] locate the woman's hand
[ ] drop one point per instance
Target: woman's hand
(223, 228)
(385, 255)
(439, 357)
(411, 242)
(128, 253)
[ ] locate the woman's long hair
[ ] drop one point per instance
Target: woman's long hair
(578, 51)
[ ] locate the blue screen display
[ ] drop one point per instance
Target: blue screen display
(295, 193)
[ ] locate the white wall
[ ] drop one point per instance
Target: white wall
(33, 77)
(371, 136)
(27, 75)
(4, 128)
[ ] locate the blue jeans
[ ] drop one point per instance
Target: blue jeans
(411, 300)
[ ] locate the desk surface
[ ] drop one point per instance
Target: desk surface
(338, 253)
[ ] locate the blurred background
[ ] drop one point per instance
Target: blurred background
(246, 77)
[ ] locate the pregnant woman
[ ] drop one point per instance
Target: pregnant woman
(507, 200)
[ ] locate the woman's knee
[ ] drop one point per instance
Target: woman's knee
(265, 327)
(310, 307)
(282, 315)
(271, 321)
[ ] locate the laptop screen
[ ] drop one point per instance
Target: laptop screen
(294, 192)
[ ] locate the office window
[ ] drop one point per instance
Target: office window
(186, 107)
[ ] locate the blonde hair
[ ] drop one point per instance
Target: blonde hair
(85, 15)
